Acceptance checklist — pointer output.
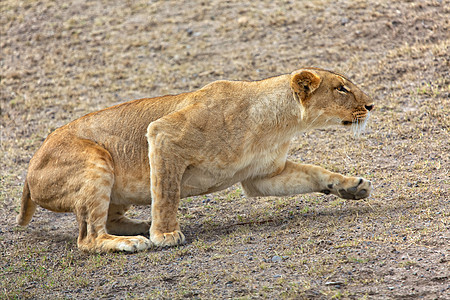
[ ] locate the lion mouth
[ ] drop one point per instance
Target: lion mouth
(347, 123)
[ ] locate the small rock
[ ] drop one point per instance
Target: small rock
(277, 276)
(243, 21)
(276, 259)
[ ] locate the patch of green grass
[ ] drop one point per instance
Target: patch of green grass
(358, 260)
(234, 194)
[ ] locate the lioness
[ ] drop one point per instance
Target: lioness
(162, 149)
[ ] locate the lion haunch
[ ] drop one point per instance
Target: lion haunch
(156, 151)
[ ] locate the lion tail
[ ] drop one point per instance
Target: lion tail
(27, 208)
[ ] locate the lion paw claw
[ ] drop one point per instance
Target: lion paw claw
(167, 239)
(352, 188)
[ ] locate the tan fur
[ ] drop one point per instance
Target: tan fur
(156, 151)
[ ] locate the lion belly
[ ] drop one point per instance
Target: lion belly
(196, 181)
(210, 178)
(131, 191)
(134, 190)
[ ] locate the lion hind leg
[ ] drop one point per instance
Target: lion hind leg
(93, 205)
(92, 218)
(118, 223)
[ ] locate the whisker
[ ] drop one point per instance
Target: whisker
(359, 126)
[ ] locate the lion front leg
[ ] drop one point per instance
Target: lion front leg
(301, 179)
(166, 170)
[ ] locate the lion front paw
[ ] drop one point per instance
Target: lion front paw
(351, 188)
(167, 239)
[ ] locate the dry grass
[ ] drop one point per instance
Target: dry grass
(60, 61)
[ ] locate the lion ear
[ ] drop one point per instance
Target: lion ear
(304, 82)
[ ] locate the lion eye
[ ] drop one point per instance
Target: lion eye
(342, 89)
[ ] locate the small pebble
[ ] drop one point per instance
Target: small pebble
(277, 258)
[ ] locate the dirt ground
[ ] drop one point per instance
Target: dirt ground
(62, 59)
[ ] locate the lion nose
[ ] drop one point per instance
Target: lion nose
(369, 107)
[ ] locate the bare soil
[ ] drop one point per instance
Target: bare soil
(62, 59)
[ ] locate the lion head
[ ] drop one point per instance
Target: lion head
(328, 98)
